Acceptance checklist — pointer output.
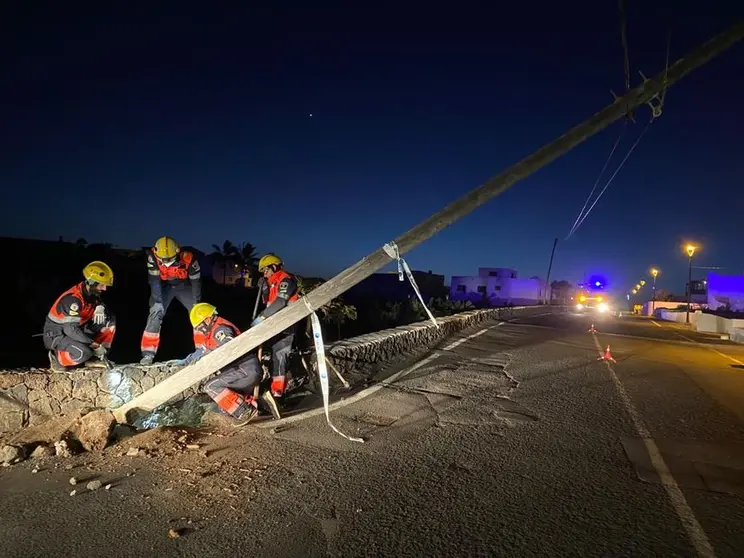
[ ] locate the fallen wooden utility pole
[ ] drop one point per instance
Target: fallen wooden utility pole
(249, 340)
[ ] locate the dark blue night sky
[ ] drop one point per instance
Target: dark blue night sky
(119, 131)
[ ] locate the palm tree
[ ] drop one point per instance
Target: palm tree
(228, 252)
(248, 259)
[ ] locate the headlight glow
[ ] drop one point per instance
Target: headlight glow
(603, 307)
(579, 306)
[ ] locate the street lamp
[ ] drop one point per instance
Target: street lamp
(654, 273)
(690, 249)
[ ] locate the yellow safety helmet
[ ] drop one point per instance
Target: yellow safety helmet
(267, 260)
(200, 312)
(99, 272)
(166, 248)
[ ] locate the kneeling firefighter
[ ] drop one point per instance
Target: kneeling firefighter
(79, 326)
(233, 388)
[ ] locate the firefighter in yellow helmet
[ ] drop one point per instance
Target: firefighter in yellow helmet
(278, 289)
(173, 273)
(232, 389)
(79, 325)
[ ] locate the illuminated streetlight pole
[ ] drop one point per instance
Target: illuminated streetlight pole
(654, 273)
(690, 249)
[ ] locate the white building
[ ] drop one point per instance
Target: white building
(498, 286)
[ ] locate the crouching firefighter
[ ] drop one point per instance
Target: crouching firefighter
(278, 289)
(173, 273)
(235, 387)
(79, 326)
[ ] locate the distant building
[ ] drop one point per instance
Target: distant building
(387, 286)
(497, 286)
(725, 292)
(228, 272)
(699, 291)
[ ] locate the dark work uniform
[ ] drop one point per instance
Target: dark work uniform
(277, 293)
(232, 388)
(69, 329)
(181, 280)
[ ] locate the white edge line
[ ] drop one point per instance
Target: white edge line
(732, 359)
(692, 527)
(372, 389)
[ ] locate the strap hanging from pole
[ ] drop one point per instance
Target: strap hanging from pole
(391, 249)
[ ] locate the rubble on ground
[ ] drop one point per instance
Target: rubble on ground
(93, 430)
(65, 436)
(10, 454)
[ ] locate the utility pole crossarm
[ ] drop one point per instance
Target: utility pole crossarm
(249, 340)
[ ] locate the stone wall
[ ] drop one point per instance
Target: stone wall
(381, 347)
(33, 395)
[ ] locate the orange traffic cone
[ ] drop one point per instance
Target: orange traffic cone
(607, 355)
(592, 330)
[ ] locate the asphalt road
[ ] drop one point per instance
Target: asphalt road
(508, 440)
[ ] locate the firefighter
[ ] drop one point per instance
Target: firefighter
(277, 291)
(232, 389)
(173, 273)
(79, 326)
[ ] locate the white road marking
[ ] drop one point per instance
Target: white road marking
(690, 523)
(732, 359)
(469, 337)
(375, 388)
(657, 324)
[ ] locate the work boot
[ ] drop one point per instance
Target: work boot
(54, 364)
(95, 364)
(147, 360)
(245, 418)
(270, 403)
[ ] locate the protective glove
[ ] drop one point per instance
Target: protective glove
(100, 351)
(257, 321)
(99, 316)
(192, 358)
(158, 308)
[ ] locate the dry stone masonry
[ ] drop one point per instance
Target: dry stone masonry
(390, 345)
(28, 397)
(31, 396)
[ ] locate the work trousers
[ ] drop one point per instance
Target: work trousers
(232, 389)
(71, 352)
(281, 348)
(151, 336)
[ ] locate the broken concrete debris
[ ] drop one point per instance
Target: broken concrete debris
(93, 430)
(10, 454)
(61, 449)
(42, 450)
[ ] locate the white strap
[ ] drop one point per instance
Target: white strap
(323, 372)
(391, 249)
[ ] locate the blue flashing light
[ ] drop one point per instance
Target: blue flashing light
(597, 284)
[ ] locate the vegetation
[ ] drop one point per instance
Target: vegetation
(336, 312)
(664, 296)
(243, 257)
